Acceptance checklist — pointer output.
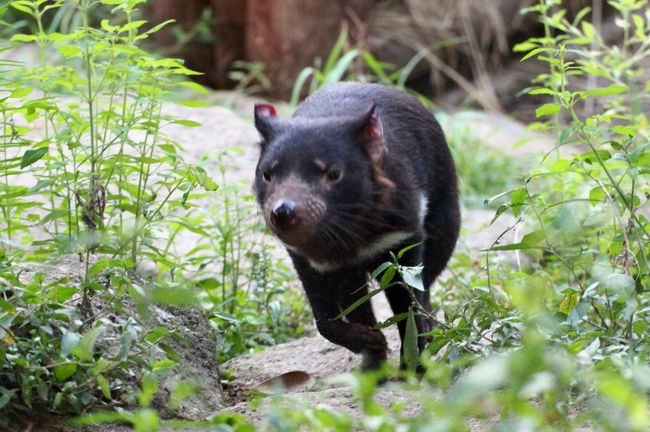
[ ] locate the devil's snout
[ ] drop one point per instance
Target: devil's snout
(283, 215)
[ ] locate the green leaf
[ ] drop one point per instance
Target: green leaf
(302, 78)
(106, 25)
(588, 29)
(188, 123)
(502, 208)
(401, 253)
(54, 214)
(609, 90)
(620, 391)
(32, 156)
(412, 276)
(7, 307)
(176, 296)
(564, 136)
(596, 195)
(23, 38)
(102, 382)
(209, 184)
(22, 7)
(163, 365)
(530, 241)
(539, 91)
(639, 26)
(358, 303)
(342, 66)
(624, 130)
(226, 317)
(5, 398)
(534, 52)
(592, 156)
(387, 277)
(569, 302)
(337, 49)
(60, 294)
(68, 341)
(20, 92)
(376, 272)
(70, 51)
(157, 27)
(525, 46)
(194, 103)
(84, 351)
(133, 25)
(392, 320)
(517, 199)
(548, 109)
(64, 371)
(411, 353)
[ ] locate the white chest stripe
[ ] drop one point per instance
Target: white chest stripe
(424, 209)
(381, 244)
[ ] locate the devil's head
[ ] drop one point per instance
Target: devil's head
(318, 180)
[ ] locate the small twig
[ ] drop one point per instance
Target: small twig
(416, 303)
(487, 255)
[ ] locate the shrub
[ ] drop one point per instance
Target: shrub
(86, 170)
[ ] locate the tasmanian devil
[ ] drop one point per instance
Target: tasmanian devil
(360, 170)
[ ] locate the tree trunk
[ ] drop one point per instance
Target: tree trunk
(287, 35)
(186, 13)
(230, 36)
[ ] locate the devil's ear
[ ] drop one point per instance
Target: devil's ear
(266, 121)
(370, 125)
(371, 136)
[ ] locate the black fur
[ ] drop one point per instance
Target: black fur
(388, 156)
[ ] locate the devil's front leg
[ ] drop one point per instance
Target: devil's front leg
(329, 294)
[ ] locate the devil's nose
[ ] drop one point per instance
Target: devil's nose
(283, 214)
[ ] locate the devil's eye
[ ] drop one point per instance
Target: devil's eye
(334, 175)
(266, 176)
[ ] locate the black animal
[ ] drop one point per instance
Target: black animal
(358, 171)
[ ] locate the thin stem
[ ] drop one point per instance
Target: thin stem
(6, 212)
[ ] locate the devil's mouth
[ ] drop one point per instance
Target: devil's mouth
(306, 243)
(294, 237)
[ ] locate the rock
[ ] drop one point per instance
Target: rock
(196, 346)
(197, 363)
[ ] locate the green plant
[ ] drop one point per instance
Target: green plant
(346, 63)
(49, 349)
(249, 76)
(482, 171)
(246, 288)
(84, 169)
(108, 173)
(200, 31)
(586, 211)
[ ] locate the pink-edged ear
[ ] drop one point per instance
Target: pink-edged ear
(372, 139)
(266, 120)
(369, 123)
(265, 110)
(373, 130)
